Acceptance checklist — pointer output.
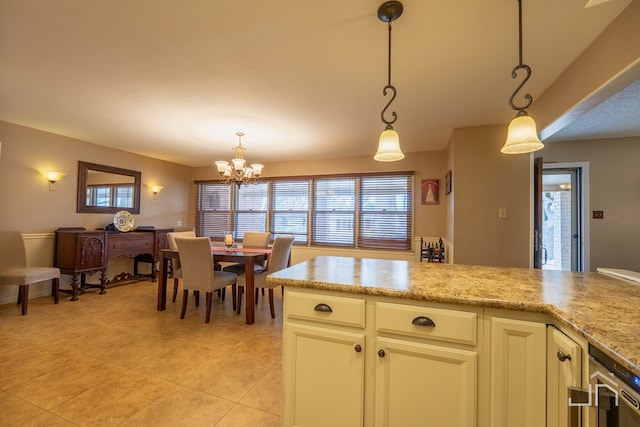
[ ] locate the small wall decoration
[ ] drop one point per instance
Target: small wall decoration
(430, 191)
(447, 183)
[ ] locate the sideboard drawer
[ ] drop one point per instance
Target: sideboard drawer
(326, 308)
(129, 245)
(448, 325)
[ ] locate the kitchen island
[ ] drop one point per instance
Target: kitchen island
(601, 310)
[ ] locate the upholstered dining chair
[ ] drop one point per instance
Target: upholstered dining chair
(278, 260)
(177, 271)
(251, 239)
(14, 270)
(198, 273)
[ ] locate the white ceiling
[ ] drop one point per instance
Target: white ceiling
(175, 80)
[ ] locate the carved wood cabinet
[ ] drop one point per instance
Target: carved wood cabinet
(79, 252)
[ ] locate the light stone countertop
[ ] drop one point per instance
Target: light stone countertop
(602, 309)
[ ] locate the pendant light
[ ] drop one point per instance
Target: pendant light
(389, 143)
(522, 136)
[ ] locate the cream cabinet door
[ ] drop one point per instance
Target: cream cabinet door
(323, 376)
(564, 369)
(420, 384)
(518, 373)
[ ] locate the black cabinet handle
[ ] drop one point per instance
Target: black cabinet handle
(423, 321)
(322, 307)
(358, 348)
(381, 353)
(562, 356)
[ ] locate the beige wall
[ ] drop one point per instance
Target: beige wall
(614, 187)
(29, 206)
(485, 180)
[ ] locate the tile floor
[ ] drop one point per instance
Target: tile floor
(113, 360)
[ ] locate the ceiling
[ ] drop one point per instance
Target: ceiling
(302, 79)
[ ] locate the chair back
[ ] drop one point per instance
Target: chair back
(280, 253)
(197, 263)
(12, 252)
(255, 239)
(171, 237)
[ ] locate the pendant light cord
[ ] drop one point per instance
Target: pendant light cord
(389, 86)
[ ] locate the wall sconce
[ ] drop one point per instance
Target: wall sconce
(155, 189)
(53, 177)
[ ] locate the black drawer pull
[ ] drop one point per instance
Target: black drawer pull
(423, 321)
(358, 348)
(322, 307)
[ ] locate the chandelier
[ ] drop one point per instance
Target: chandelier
(237, 172)
(522, 136)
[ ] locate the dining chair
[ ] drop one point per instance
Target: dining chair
(177, 271)
(14, 270)
(251, 239)
(278, 260)
(198, 273)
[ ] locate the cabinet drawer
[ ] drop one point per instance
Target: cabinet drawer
(326, 308)
(450, 325)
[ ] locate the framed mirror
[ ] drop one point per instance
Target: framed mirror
(107, 189)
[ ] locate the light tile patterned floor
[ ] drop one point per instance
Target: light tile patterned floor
(113, 360)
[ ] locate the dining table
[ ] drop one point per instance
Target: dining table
(246, 256)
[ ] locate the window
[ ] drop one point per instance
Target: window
(358, 211)
(213, 204)
(334, 213)
(290, 209)
(385, 212)
(251, 209)
(117, 195)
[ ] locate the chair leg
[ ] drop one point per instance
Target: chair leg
(240, 292)
(23, 297)
(55, 290)
(222, 292)
(234, 298)
(256, 297)
(273, 311)
(209, 299)
(175, 289)
(185, 297)
(196, 294)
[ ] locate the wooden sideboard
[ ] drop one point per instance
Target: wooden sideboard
(79, 252)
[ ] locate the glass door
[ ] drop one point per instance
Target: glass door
(562, 219)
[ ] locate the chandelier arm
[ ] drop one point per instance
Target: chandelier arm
(527, 96)
(393, 113)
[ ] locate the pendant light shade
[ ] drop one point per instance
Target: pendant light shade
(522, 136)
(389, 146)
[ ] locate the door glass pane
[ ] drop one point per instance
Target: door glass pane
(557, 221)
